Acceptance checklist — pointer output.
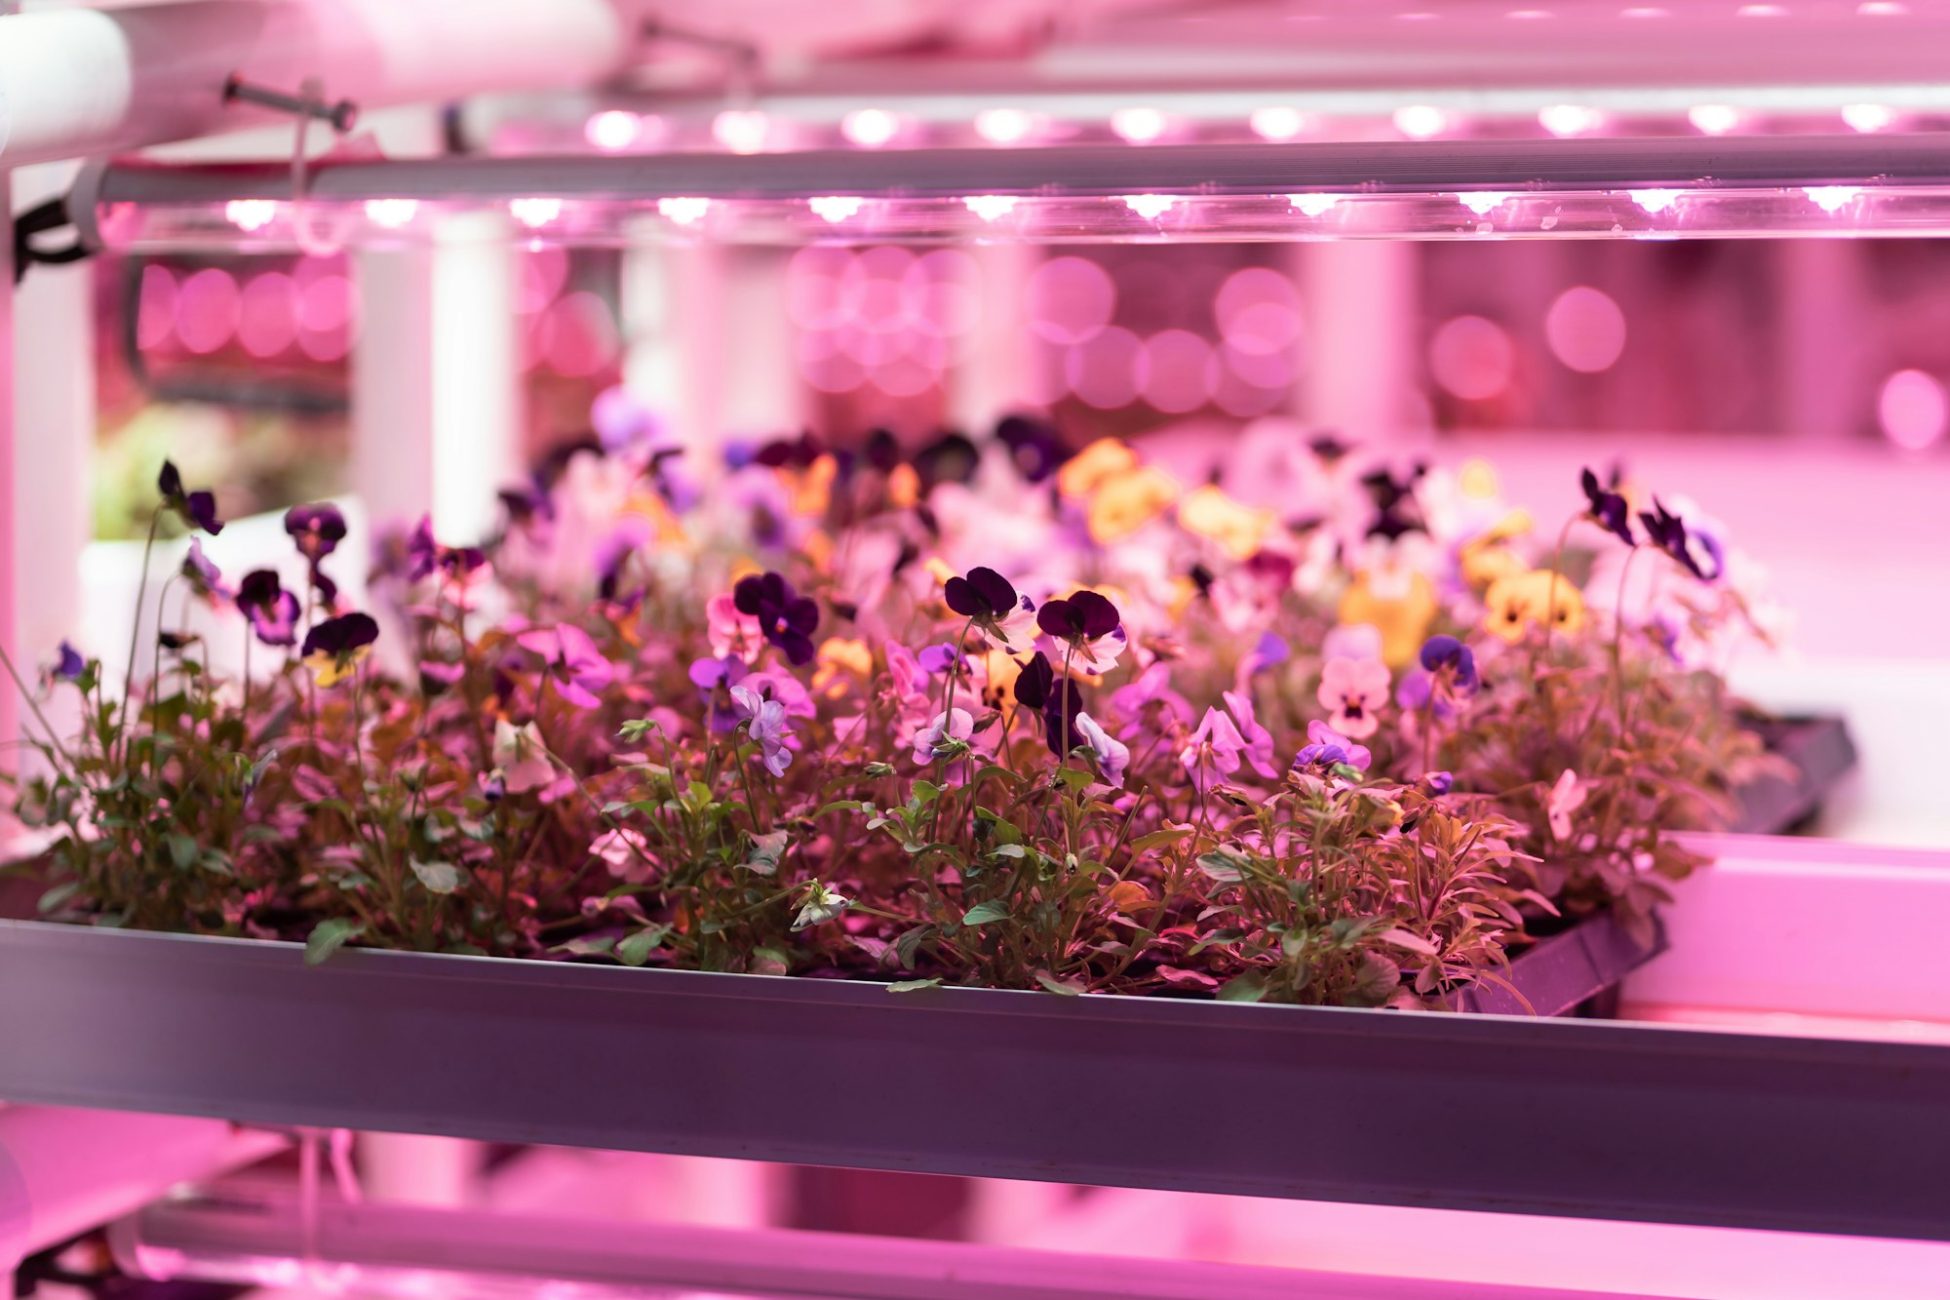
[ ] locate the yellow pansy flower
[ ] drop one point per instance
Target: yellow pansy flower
(1403, 620)
(1516, 603)
(1240, 529)
(841, 661)
(1128, 502)
(1095, 465)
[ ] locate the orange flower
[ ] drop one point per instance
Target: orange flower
(1095, 465)
(1128, 502)
(1515, 604)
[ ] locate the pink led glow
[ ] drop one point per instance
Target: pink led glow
(835, 208)
(391, 213)
(1069, 300)
(870, 128)
(1655, 201)
(1259, 369)
(741, 130)
(535, 213)
(874, 288)
(1867, 117)
(1585, 329)
(812, 286)
(1150, 206)
(1713, 119)
(207, 308)
(250, 214)
(991, 207)
(1528, 15)
(1180, 371)
(1314, 205)
(577, 335)
(904, 377)
(1913, 410)
(1761, 11)
(1109, 370)
(1570, 119)
(612, 129)
(1003, 125)
(1257, 311)
(1645, 11)
(684, 211)
(155, 317)
(1482, 202)
(1833, 198)
(325, 305)
(1277, 122)
(1472, 358)
(1139, 125)
(267, 321)
(1420, 121)
(1882, 9)
(941, 292)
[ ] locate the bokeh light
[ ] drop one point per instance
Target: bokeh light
(1585, 329)
(267, 321)
(1179, 372)
(207, 309)
(1257, 311)
(1108, 370)
(1913, 410)
(1471, 358)
(1069, 299)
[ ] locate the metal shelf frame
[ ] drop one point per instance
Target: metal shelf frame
(1561, 1117)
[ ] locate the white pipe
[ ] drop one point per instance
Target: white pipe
(81, 81)
(64, 1171)
(9, 642)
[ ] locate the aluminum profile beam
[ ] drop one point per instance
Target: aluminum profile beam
(1562, 1117)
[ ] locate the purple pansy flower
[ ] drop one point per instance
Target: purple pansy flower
(317, 529)
(424, 555)
(1033, 683)
(1213, 751)
(68, 663)
(989, 599)
(1327, 747)
(1152, 686)
(1439, 782)
(765, 723)
(572, 662)
(272, 611)
(942, 735)
(1440, 652)
(197, 509)
(938, 659)
(1667, 531)
(334, 647)
(787, 619)
(1089, 625)
(1033, 445)
(1258, 740)
(622, 422)
(1607, 508)
(205, 579)
(714, 679)
(1113, 755)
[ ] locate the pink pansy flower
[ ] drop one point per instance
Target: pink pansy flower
(626, 853)
(572, 662)
(521, 757)
(1353, 691)
(1152, 686)
(1352, 641)
(1259, 741)
(1214, 750)
(936, 736)
(1566, 797)
(1113, 756)
(732, 632)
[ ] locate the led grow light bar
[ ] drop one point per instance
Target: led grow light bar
(1605, 188)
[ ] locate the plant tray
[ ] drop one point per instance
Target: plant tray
(1576, 970)
(1822, 753)
(1550, 1116)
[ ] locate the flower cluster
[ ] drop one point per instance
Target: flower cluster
(986, 712)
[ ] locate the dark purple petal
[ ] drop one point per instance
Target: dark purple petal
(798, 647)
(802, 615)
(1054, 618)
(170, 483)
(201, 510)
(341, 635)
(1096, 616)
(1034, 681)
(70, 665)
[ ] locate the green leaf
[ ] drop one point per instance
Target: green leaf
(183, 849)
(913, 986)
(328, 936)
(439, 877)
(1250, 987)
(982, 913)
(770, 961)
(841, 805)
(601, 945)
(1156, 840)
(1009, 851)
(1068, 988)
(55, 897)
(218, 862)
(636, 948)
(1223, 865)
(766, 852)
(1413, 942)
(909, 944)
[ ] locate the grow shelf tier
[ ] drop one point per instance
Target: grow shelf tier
(1581, 1118)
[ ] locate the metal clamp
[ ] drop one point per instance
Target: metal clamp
(343, 115)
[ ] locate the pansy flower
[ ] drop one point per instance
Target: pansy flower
(424, 555)
(571, 662)
(988, 598)
(786, 618)
(68, 663)
(938, 659)
(196, 509)
(714, 679)
(1258, 740)
(1326, 747)
(1060, 713)
(316, 529)
(204, 578)
(1514, 604)
(1440, 653)
(1033, 445)
(626, 853)
(1668, 532)
(1089, 626)
(1112, 755)
(732, 632)
(271, 610)
(1033, 683)
(945, 736)
(1353, 691)
(1608, 509)
(334, 648)
(1213, 751)
(764, 721)
(819, 904)
(1151, 687)
(1566, 797)
(521, 758)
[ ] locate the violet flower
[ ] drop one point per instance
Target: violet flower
(572, 662)
(205, 579)
(1440, 652)
(765, 723)
(1033, 683)
(1328, 748)
(196, 509)
(424, 555)
(1667, 531)
(1607, 508)
(1258, 740)
(787, 619)
(334, 648)
(1213, 751)
(938, 659)
(946, 736)
(989, 599)
(1152, 686)
(316, 529)
(1113, 756)
(271, 610)
(1439, 782)
(1353, 691)
(1089, 625)
(68, 663)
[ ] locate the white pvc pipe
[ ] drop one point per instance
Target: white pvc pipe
(81, 81)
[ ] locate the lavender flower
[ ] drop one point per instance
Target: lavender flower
(945, 737)
(787, 619)
(271, 610)
(196, 509)
(1113, 756)
(765, 723)
(204, 578)
(1328, 748)
(68, 664)
(1213, 751)
(572, 662)
(316, 529)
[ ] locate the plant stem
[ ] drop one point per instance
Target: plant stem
(135, 629)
